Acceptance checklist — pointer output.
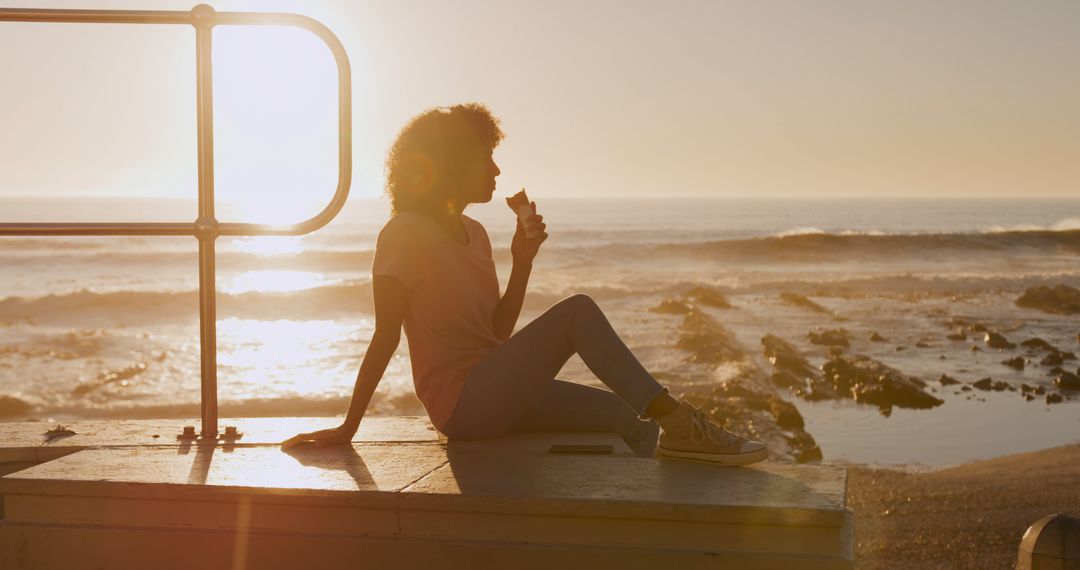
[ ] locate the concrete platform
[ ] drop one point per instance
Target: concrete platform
(401, 496)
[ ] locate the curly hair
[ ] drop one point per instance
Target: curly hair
(440, 135)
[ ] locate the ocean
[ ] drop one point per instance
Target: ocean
(108, 327)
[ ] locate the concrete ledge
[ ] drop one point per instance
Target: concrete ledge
(402, 494)
(26, 441)
(211, 550)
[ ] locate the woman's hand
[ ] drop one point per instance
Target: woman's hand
(523, 249)
(333, 436)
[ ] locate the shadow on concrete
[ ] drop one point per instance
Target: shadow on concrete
(665, 483)
(336, 458)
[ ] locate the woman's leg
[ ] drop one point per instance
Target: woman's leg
(512, 379)
(569, 406)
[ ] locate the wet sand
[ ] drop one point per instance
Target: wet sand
(966, 516)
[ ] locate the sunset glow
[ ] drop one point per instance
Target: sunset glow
(792, 283)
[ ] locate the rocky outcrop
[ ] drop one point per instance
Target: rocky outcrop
(706, 340)
(998, 341)
(1067, 381)
(1016, 363)
(854, 377)
(803, 302)
(947, 380)
(987, 384)
(1038, 344)
(831, 337)
(790, 369)
(672, 307)
(709, 297)
(11, 407)
(866, 380)
(1058, 300)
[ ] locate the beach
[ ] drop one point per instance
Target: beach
(967, 516)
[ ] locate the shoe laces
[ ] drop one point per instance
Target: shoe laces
(701, 428)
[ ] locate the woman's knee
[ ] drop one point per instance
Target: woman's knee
(579, 302)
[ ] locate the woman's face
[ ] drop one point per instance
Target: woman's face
(476, 180)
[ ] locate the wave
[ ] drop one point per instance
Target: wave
(798, 244)
(354, 260)
(355, 297)
(806, 245)
(139, 307)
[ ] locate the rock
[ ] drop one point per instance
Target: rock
(1052, 359)
(709, 297)
(947, 380)
(1017, 363)
(866, 380)
(1067, 381)
(1066, 355)
(921, 344)
(790, 369)
(875, 337)
(985, 384)
(672, 307)
(900, 348)
(1058, 300)
(1038, 344)
(1053, 398)
(11, 406)
(966, 388)
(802, 302)
(832, 337)
(1026, 388)
(706, 340)
(957, 336)
(975, 348)
(1056, 370)
(1029, 397)
(998, 341)
(978, 327)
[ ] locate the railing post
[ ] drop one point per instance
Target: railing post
(206, 226)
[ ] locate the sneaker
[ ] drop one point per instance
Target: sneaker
(643, 443)
(688, 433)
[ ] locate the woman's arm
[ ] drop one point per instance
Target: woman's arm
(509, 307)
(522, 249)
(391, 304)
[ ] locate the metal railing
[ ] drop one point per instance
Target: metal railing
(206, 228)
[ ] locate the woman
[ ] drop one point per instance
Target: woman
(433, 273)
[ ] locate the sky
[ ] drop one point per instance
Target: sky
(960, 99)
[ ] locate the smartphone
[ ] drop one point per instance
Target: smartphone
(594, 449)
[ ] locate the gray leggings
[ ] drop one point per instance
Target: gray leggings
(514, 388)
